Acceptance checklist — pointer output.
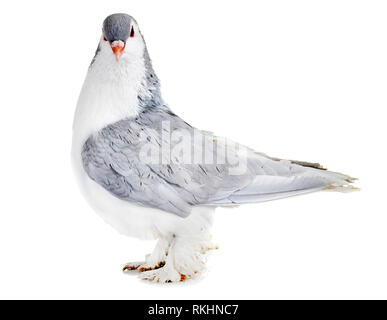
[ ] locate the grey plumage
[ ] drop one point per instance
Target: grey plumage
(117, 27)
(152, 85)
(112, 159)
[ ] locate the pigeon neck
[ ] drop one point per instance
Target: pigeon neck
(112, 91)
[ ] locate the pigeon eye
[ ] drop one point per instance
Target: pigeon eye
(132, 32)
(104, 38)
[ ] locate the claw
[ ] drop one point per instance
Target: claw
(129, 268)
(142, 266)
(132, 266)
(148, 268)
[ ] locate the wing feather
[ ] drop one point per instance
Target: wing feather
(112, 158)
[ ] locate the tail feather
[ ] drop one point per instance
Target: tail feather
(307, 179)
(253, 198)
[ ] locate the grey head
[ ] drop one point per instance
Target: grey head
(120, 34)
(118, 26)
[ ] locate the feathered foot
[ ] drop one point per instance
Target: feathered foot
(165, 274)
(185, 260)
(152, 261)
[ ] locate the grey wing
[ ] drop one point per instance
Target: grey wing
(112, 162)
(114, 158)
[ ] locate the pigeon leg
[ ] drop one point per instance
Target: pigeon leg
(184, 261)
(167, 273)
(152, 261)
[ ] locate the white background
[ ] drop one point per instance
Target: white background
(294, 79)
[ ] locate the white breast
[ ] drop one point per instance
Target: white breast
(109, 94)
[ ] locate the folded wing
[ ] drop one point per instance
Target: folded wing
(224, 173)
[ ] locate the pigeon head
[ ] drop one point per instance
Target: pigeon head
(120, 32)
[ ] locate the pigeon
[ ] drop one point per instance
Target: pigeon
(151, 175)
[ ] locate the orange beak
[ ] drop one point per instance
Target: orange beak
(118, 48)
